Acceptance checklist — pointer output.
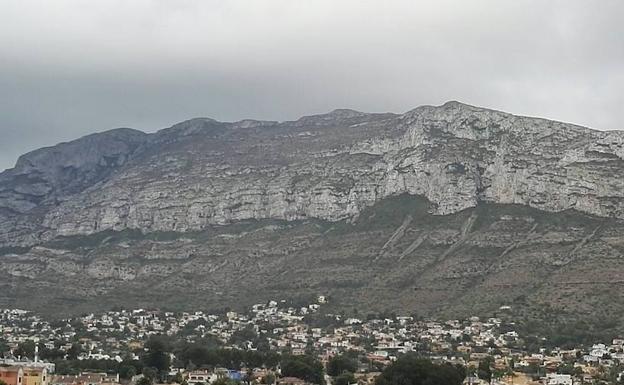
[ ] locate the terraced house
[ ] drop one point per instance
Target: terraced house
(35, 376)
(12, 375)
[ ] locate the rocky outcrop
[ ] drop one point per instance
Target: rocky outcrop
(54, 173)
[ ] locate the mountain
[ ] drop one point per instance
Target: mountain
(444, 210)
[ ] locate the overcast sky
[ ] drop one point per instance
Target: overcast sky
(69, 67)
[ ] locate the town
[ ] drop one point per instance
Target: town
(279, 343)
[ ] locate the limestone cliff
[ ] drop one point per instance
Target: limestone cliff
(330, 167)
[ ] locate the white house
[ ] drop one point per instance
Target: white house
(559, 379)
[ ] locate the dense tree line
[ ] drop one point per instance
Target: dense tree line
(199, 356)
(126, 368)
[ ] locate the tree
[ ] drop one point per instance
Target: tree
(74, 351)
(25, 349)
(410, 369)
(178, 378)
(4, 347)
(484, 372)
(157, 356)
(240, 337)
(144, 381)
(339, 364)
(127, 371)
(224, 381)
(345, 378)
(569, 369)
(269, 379)
(149, 372)
(305, 367)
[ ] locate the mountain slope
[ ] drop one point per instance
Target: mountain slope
(441, 210)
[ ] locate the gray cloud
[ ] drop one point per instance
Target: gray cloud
(72, 67)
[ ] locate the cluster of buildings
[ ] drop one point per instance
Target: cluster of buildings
(376, 341)
(26, 374)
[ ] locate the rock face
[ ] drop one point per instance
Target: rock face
(44, 178)
(202, 174)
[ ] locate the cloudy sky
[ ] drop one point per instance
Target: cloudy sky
(72, 67)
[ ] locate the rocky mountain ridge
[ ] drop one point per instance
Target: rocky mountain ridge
(410, 211)
(202, 172)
